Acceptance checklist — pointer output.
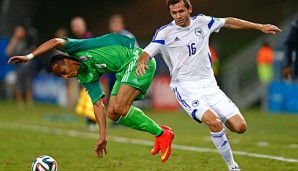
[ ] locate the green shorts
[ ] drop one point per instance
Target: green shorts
(127, 76)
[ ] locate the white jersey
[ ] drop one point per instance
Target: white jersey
(185, 50)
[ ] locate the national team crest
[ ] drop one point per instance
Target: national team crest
(83, 58)
(199, 32)
(195, 103)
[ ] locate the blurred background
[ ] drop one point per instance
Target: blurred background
(237, 64)
(40, 112)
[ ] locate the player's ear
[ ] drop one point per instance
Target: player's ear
(190, 9)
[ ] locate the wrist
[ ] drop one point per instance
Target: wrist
(260, 26)
(30, 56)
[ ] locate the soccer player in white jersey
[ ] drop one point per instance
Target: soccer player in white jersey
(183, 44)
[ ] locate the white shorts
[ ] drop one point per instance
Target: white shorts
(197, 100)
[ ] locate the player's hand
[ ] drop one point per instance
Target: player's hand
(270, 29)
(141, 70)
(18, 59)
(100, 149)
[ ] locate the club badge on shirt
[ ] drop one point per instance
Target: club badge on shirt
(83, 58)
(199, 32)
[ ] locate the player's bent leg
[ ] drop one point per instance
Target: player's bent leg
(212, 121)
(124, 98)
(111, 111)
(236, 124)
(219, 137)
(134, 118)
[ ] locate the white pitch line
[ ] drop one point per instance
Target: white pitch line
(72, 133)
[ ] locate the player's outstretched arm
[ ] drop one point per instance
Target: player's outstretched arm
(235, 23)
(142, 64)
(99, 112)
(45, 47)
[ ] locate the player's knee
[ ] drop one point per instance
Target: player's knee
(121, 109)
(215, 125)
(212, 121)
(241, 128)
(112, 115)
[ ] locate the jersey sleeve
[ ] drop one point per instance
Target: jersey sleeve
(152, 49)
(213, 24)
(94, 90)
(76, 45)
(218, 23)
(73, 45)
(157, 42)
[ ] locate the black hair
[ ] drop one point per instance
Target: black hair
(172, 2)
(57, 60)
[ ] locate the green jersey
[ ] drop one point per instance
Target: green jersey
(108, 53)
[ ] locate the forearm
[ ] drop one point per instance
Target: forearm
(99, 112)
(235, 23)
(144, 58)
(47, 46)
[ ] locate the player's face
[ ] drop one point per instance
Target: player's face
(66, 70)
(180, 14)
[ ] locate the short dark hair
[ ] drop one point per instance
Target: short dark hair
(57, 60)
(172, 2)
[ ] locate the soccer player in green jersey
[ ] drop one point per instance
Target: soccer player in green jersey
(87, 60)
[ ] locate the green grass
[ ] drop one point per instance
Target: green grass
(19, 146)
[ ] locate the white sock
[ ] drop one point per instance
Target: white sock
(222, 144)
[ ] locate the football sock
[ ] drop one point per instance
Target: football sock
(136, 119)
(222, 144)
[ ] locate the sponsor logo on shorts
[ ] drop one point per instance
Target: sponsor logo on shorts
(195, 103)
(135, 80)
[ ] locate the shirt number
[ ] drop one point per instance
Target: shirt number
(191, 49)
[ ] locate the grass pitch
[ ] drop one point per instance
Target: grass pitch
(270, 143)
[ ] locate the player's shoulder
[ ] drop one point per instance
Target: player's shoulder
(166, 27)
(205, 19)
(200, 17)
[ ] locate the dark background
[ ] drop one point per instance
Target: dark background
(142, 17)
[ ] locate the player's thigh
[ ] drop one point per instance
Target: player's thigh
(142, 83)
(123, 93)
(122, 96)
(126, 95)
(222, 105)
(191, 101)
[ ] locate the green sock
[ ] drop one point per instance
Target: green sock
(136, 119)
